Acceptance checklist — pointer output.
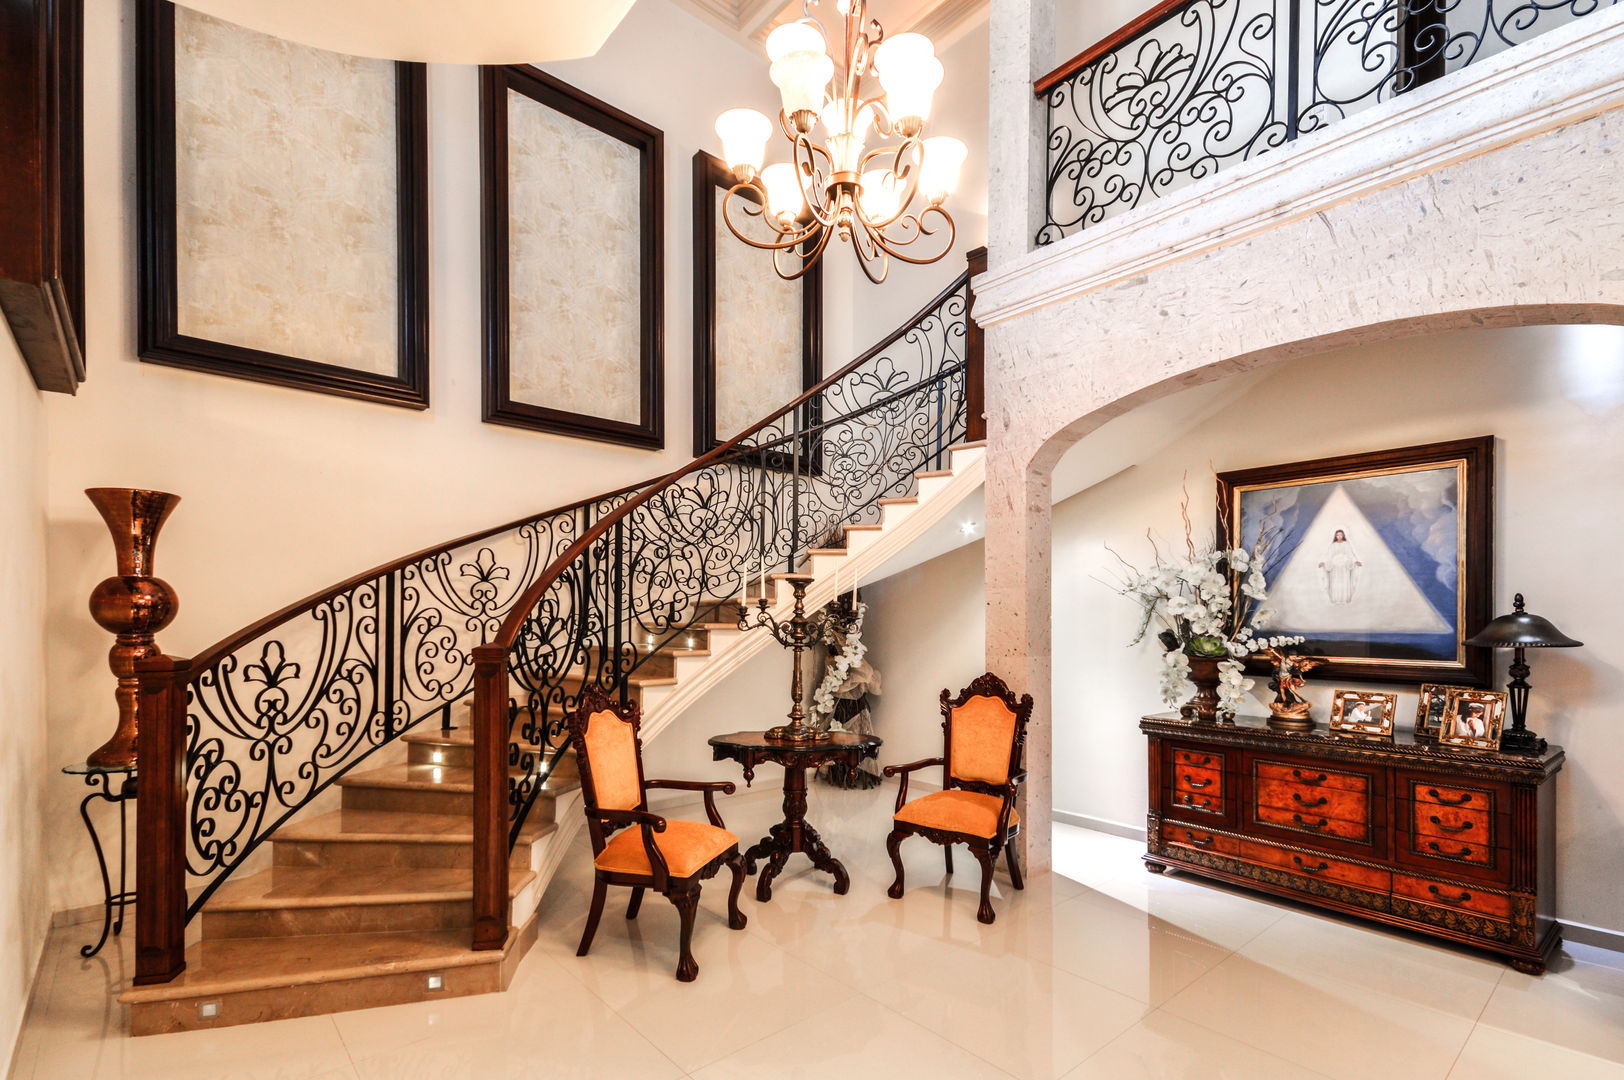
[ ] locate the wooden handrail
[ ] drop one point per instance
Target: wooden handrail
(1106, 44)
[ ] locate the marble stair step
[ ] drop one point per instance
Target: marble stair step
(246, 980)
(290, 901)
(375, 839)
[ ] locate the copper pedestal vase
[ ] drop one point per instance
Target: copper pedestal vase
(134, 605)
(1204, 673)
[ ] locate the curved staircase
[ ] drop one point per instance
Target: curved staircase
(373, 900)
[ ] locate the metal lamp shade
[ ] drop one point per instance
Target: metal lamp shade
(1522, 630)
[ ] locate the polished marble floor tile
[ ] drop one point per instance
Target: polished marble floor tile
(1097, 971)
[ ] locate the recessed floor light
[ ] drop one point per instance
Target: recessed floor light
(437, 981)
(208, 1010)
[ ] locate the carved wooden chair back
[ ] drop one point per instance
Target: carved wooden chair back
(609, 752)
(984, 730)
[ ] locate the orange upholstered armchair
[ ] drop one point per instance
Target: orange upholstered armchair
(633, 847)
(984, 731)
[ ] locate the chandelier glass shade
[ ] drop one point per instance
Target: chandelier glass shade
(882, 198)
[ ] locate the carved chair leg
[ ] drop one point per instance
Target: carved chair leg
(947, 851)
(635, 903)
(735, 917)
(687, 904)
(985, 857)
(893, 844)
(1015, 878)
(600, 889)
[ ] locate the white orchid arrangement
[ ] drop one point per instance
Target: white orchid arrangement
(844, 639)
(1211, 605)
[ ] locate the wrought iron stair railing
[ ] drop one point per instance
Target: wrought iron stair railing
(1196, 86)
(238, 739)
(653, 568)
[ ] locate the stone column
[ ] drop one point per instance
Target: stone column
(1020, 49)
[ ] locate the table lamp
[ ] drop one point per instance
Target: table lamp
(1519, 631)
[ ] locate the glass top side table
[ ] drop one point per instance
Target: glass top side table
(114, 784)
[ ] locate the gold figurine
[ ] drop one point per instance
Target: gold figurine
(1289, 708)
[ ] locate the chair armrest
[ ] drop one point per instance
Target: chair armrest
(905, 770)
(648, 824)
(1016, 779)
(709, 787)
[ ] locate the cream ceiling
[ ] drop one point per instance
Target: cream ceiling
(749, 20)
(465, 32)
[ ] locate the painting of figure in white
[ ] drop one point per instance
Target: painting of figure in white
(1341, 565)
(1380, 561)
(1364, 565)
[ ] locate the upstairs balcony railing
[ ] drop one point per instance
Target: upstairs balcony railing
(1195, 86)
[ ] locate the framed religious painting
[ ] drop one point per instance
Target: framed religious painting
(573, 261)
(283, 210)
(758, 338)
(1382, 561)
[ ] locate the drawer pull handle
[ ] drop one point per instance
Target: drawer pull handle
(1199, 843)
(1461, 899)
(1461, 854)
(1320, 824)
(1298, 859)
(1321, 801)
(1320, 779)
(1450, 828)
(1462, 801)
(1189, 800)
(1193, 782)
(1189, 759)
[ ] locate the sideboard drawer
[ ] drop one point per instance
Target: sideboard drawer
(1200, 840)
(1450, 894)
(1312, 776)
(1336, 803)
(1312, 823)
(1195, 802)
(1315, 864)
(1481, 800)
(1198, 782)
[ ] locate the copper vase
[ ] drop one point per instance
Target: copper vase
(134, 605)
(1204, 706)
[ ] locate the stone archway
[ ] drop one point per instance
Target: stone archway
(1531, 233)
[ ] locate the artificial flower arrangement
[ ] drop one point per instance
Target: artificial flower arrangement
(842, 635)
(1211, 607)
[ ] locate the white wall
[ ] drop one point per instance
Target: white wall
(283, 491)
(1554, 399)
(24, 764)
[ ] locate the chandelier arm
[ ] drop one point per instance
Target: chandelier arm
(911, 174)
(811, 198)
(892, 247)
(808, 259)
(786, 237)
(867, 258)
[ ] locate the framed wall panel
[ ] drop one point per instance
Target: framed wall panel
(758, 340)
(573, 261)
(284, 210)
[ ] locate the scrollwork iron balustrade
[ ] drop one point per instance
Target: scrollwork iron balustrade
(1217, 82)
(279, 712)
(676, 553)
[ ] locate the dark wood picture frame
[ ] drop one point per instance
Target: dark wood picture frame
(500, 407)
(160, 340)
(42, 204)
(710, 174)
(1472, 667)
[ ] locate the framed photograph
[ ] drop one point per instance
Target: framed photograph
(1472, 719)
(758, 339)
(1363, 712)
(1429, 711)
(284, 210)
(572, 246)
(1382, 561)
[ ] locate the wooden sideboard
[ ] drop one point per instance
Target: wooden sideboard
(1457, 844)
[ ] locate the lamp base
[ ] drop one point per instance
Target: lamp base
(1521, 741)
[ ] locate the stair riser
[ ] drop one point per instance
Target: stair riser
(339, 919)
(424, 800)
(462, 757)
(315, 999)
(370, 854)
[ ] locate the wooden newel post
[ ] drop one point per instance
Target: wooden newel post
(490, 721)
(975, 398)
(160, 821)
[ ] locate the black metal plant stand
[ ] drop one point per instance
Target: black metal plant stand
(100, 779)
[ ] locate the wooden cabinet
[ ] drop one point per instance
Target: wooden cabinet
(1457, 844)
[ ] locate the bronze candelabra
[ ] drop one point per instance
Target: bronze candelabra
(792, 635)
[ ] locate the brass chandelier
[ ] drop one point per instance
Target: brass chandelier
(836, 186)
